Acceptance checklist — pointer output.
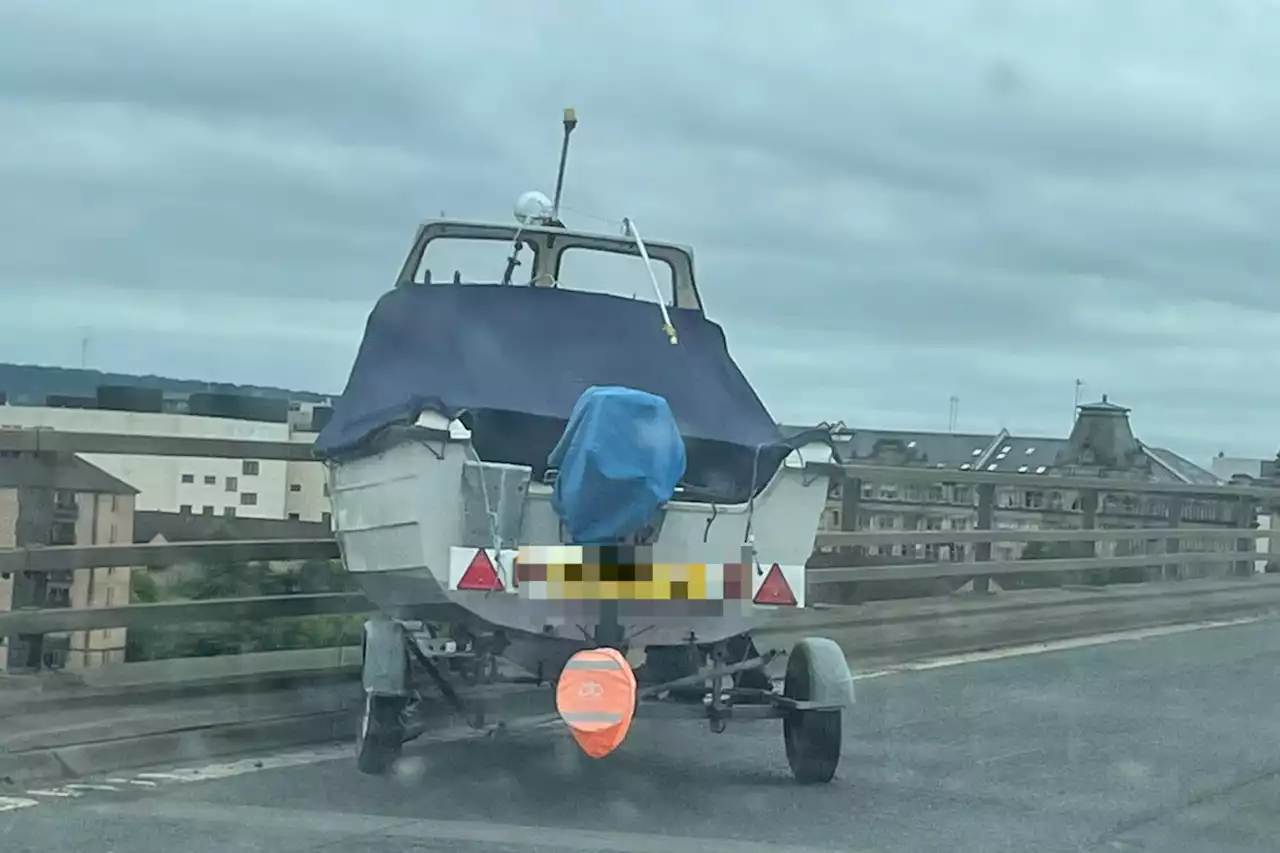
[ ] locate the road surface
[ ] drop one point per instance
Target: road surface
(1164, 743)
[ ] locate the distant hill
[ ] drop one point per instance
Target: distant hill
(29, 384)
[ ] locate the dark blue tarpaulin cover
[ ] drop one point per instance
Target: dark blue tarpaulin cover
(492, 350)
(619, 459)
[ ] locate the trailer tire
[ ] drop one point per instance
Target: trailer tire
(381, 735)
(813, 738)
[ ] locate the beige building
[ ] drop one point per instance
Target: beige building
(251, 488)
(1101, 440)
(59, 499)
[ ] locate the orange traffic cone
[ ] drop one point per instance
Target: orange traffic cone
(596, 696)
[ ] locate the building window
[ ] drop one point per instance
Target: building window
(326, 519)
(62, 533)
(326, 490)
(295, 487)
(232, 484)
(207, 509)
(185, 509)
(293, 516)
(188, 478)
(248, 498)
(210, 480)
(229, 512)
(250, 468)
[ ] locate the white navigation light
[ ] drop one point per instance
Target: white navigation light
(532, 208)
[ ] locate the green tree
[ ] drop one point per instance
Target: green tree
(143, 589)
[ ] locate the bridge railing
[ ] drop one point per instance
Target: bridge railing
(1238, 544)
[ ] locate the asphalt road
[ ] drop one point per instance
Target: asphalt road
(1169, 743)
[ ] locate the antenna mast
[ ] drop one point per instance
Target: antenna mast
(570, 122)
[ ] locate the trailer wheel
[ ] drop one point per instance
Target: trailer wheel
(812, 737)
(381, 735)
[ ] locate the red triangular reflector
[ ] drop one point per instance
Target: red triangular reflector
(775, 589)
(481, 575)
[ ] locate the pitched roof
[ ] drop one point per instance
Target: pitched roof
(62, 471)
(997, 452)
(1182, 469)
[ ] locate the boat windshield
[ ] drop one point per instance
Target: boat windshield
(615, 273)
(475, 260)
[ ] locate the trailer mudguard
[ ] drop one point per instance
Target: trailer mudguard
(830, 679)
(385, 671)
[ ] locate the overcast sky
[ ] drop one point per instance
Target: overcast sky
(892, 203)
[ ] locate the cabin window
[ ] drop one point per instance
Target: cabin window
(615, 273)
(472, 261)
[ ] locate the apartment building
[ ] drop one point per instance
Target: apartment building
(253, 488)
(1101, 441)
(60, 499)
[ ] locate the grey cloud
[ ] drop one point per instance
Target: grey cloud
(890, 205)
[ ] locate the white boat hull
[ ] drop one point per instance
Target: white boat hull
(401, 515)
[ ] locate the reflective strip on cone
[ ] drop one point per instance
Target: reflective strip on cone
(596, 697)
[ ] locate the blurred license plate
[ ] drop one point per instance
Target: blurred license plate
(570, 573)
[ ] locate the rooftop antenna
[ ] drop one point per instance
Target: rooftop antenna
(1075, 409)
(570, 122)
(535, 209)
(84, 348)
(954, 415)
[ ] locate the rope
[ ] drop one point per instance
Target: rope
(493, 518)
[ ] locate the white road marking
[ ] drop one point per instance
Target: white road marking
(142, 783)
(53, 792)
(12, 804)
(166, 777)
(80, 786)
(1053, 646)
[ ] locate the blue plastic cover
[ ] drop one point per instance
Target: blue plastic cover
(619, 459)
(516, 360)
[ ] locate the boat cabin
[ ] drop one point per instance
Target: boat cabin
(544, 255)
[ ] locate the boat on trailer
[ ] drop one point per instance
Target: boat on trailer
(524, 470)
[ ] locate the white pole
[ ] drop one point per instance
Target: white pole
(657, 291)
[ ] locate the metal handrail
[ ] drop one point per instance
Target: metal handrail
(62, 558)
(210, 611)
(846, 538)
